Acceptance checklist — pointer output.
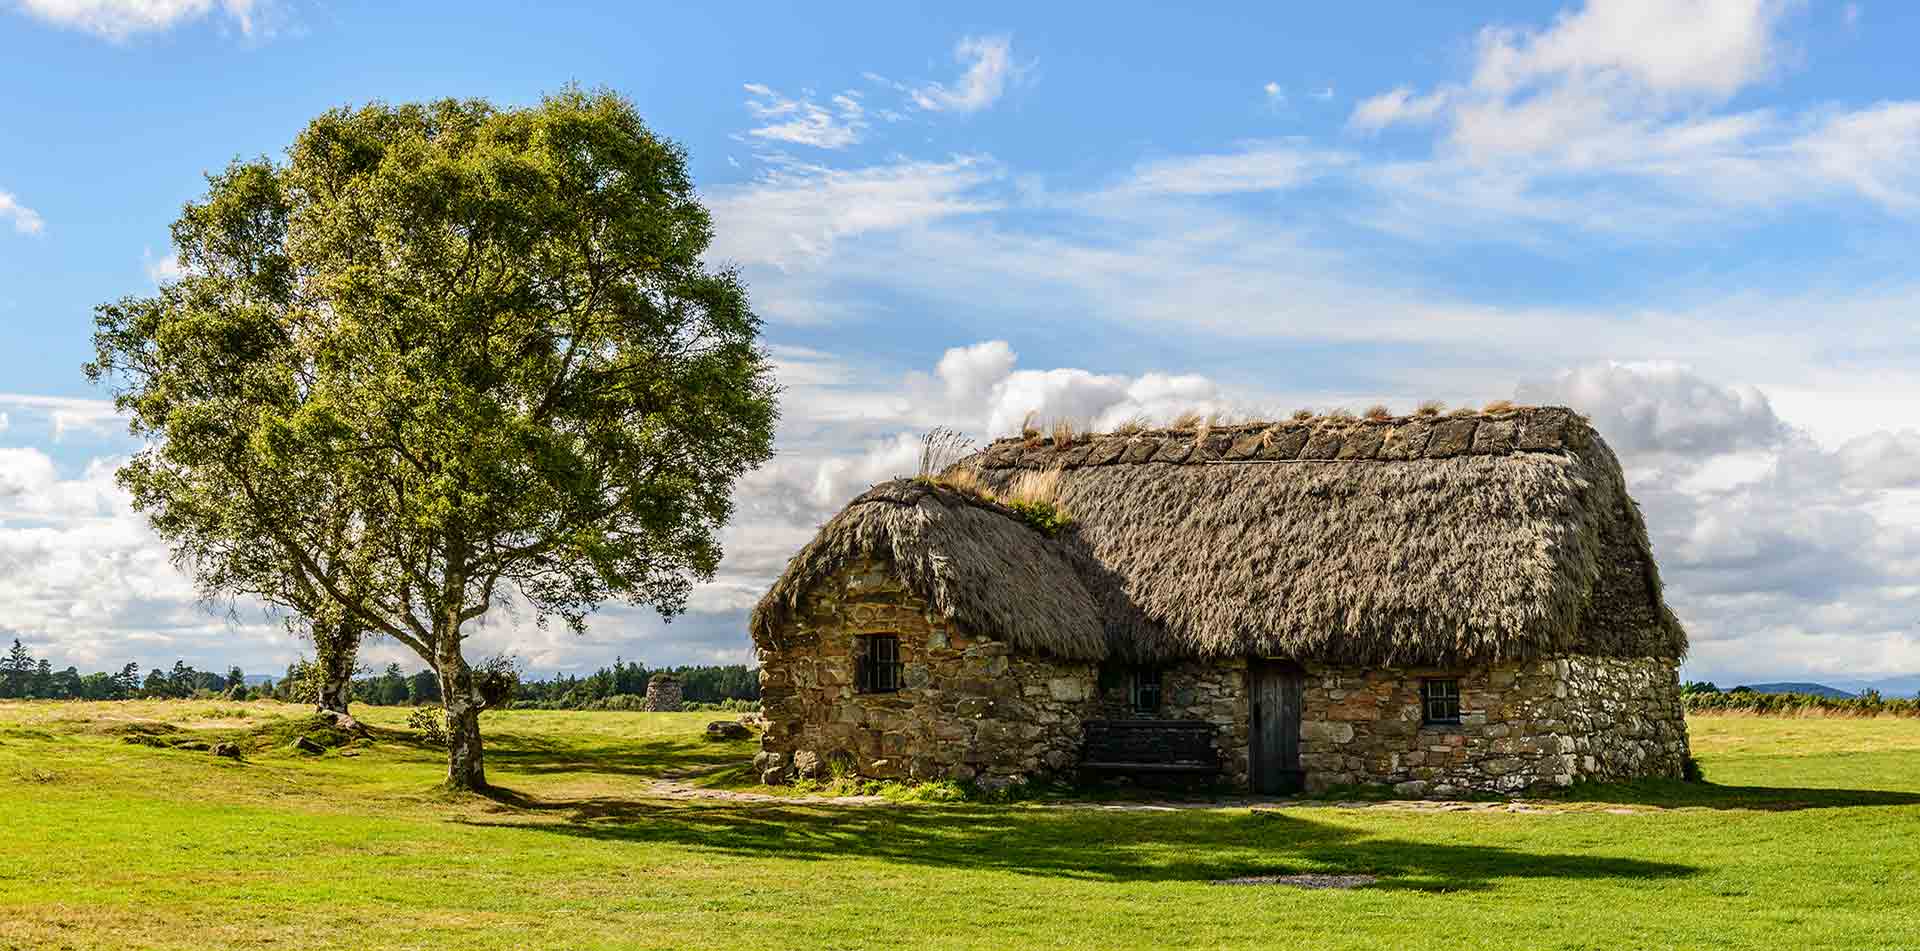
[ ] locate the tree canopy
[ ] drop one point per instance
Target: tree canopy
(442, 357)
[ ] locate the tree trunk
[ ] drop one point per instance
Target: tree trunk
(466, 770)
(336, 651)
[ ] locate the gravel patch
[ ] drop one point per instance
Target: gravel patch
(1302, 881)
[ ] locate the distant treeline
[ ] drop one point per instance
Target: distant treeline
(620, 687)
(1707, 698)
(22, 677)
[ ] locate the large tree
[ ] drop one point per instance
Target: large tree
(444, 357)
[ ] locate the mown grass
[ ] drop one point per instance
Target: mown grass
(1806, 836)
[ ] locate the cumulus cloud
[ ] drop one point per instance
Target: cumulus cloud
(804, 122)
(1783, 558)
(1663, 408)
(25, 220)
(989, 68)
(119, 19)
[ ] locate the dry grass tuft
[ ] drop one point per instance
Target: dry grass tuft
(1499, 406)
(1186, 420)
(1430, 408)
(1378, 412)
(1464, 411)
(1302, 415)
(1134, 426)
(1341, 414)
(1063, 432)
(1034, 486)
(1028, 429)
(964, 479)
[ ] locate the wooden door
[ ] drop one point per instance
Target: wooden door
(1276, 689)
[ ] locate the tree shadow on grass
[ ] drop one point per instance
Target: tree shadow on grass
(541, 755)
(1674, 794)
(1077, 844)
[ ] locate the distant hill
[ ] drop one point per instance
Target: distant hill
(1818, 690)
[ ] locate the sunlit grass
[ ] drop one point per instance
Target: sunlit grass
(1808, 835)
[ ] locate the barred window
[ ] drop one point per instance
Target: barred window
(879, 663)
(1440, 700)
(1145, 690)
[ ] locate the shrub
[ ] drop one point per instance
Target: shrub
(431, 724)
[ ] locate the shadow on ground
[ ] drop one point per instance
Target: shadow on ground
(1096, 846)
(1674, 794)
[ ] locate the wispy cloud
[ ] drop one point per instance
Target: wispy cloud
(119, 19)
(25, 220)
(802, 121)
(990, 68)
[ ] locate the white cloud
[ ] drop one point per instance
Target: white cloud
(1258, 166)
(805, 122)
(1276, 95)
(66, 414)
(1659, 407)
(25, 220)
(164, 269)
(794, 214)
(1397, 106)
(1631, 93)
(990, 67)
(120, 19)
(5, 422)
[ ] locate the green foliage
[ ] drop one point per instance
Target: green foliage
(430, 724)
(1738, 700)
(1046, 517)
(444, 355)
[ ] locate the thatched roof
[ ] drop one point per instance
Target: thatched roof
(1409, 541)
(971, 558)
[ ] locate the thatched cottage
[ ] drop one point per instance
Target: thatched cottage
(1438, 603)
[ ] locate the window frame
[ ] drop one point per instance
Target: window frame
(1145, 681)
(878, 671)
(1444, 691)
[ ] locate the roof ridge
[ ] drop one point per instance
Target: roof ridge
(1320, 439)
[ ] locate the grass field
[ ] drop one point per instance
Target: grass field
(1807, 835)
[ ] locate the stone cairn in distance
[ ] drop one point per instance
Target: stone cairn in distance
(663, 693)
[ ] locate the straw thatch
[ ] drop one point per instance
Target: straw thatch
(971, 558)
(1405, 541)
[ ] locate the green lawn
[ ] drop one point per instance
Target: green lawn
(1807, 836)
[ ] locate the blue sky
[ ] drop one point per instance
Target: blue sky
(1692, 220)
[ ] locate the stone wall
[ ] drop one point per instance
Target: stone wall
(969, 709)
(1524, 726)
(663, 694)
(1193, 690)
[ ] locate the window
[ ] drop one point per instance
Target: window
(1440, 700)
(879, 661)
(1144, 691)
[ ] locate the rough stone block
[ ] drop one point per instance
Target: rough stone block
(1452, 437)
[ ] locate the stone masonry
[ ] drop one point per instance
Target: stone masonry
(663, 694)
(1525, 726)
(970, 708)
(1195, 690)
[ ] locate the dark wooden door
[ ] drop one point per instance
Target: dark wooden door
(1277, 689)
